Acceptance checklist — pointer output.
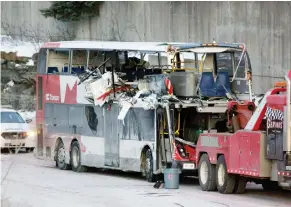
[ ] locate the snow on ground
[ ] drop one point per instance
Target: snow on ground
(29, 182)
(23, 49)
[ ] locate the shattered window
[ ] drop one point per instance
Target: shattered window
(243, 65)
(92, 119)
(79, 61)
(224, 63)
(58, 61)
(188, 60)
(155, 60)
(96, 58)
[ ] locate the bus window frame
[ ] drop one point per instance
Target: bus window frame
(59, 72)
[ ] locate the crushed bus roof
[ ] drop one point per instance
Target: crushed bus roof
(135, 46)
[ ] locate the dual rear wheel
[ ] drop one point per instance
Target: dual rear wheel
(75, 158)
(215, 177)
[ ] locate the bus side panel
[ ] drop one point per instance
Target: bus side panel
(92, 136)
(112, 133)
(137, 131)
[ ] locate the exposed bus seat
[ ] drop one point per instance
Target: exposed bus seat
(130, 75)
(65, 69)
(77, 70)
(140, 73)
(207, 86)
(222, 83)
(52, 70)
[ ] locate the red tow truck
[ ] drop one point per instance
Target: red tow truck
(258, 150)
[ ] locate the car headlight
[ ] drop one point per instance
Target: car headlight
(31, 133)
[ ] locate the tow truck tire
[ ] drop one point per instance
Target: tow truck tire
(76, 158)
(206, 174)
(225, 182)
(60, 161)
(149, 166)
(240, 185)
(270, 185)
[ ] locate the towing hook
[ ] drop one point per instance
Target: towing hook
(251, 107)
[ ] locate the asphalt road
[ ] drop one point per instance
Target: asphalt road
(27, 181)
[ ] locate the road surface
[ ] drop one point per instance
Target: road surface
(27, 181)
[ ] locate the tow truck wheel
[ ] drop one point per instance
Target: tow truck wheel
(270, 185)
(76, 158)
(60, 162)
(225, 182)
(149, 167)
(240, 185)
(206, 174)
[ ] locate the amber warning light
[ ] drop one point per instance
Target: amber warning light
(209, 44)
(281, 84)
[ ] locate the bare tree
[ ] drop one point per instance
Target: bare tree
(117, 33)
(21, 94)
(36, 35)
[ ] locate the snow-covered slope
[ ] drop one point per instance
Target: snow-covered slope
(23, 49)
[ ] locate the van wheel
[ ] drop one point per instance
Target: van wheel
(76, 158)
(149, 166)
(225, 182)
(240, 185)
(61, 155)
(206, 174)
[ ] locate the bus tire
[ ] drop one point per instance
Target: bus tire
(149, 166)
(76, 158)
(225, 182)
(240, 185)
(29, 149)
(61, 155)
(206, 174)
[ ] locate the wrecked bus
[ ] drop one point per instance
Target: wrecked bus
(134, 106)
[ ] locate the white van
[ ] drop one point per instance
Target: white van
(15, 131)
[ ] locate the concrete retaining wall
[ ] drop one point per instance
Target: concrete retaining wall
(265, 27)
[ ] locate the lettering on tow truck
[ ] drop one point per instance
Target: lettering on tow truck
(209, 141)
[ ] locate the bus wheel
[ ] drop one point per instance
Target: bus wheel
(225, 182)
(76, 158)
(206, 174)
(149, 170)
(29, 149)
(61, 155)
(240, 185)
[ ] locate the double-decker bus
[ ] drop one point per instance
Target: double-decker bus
(78, 133)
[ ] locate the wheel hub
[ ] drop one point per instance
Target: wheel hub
(203, 174)
(221, 175)
(75, 157)
(61, 155)
(147, 167)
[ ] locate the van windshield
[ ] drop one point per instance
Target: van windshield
(11, 117)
